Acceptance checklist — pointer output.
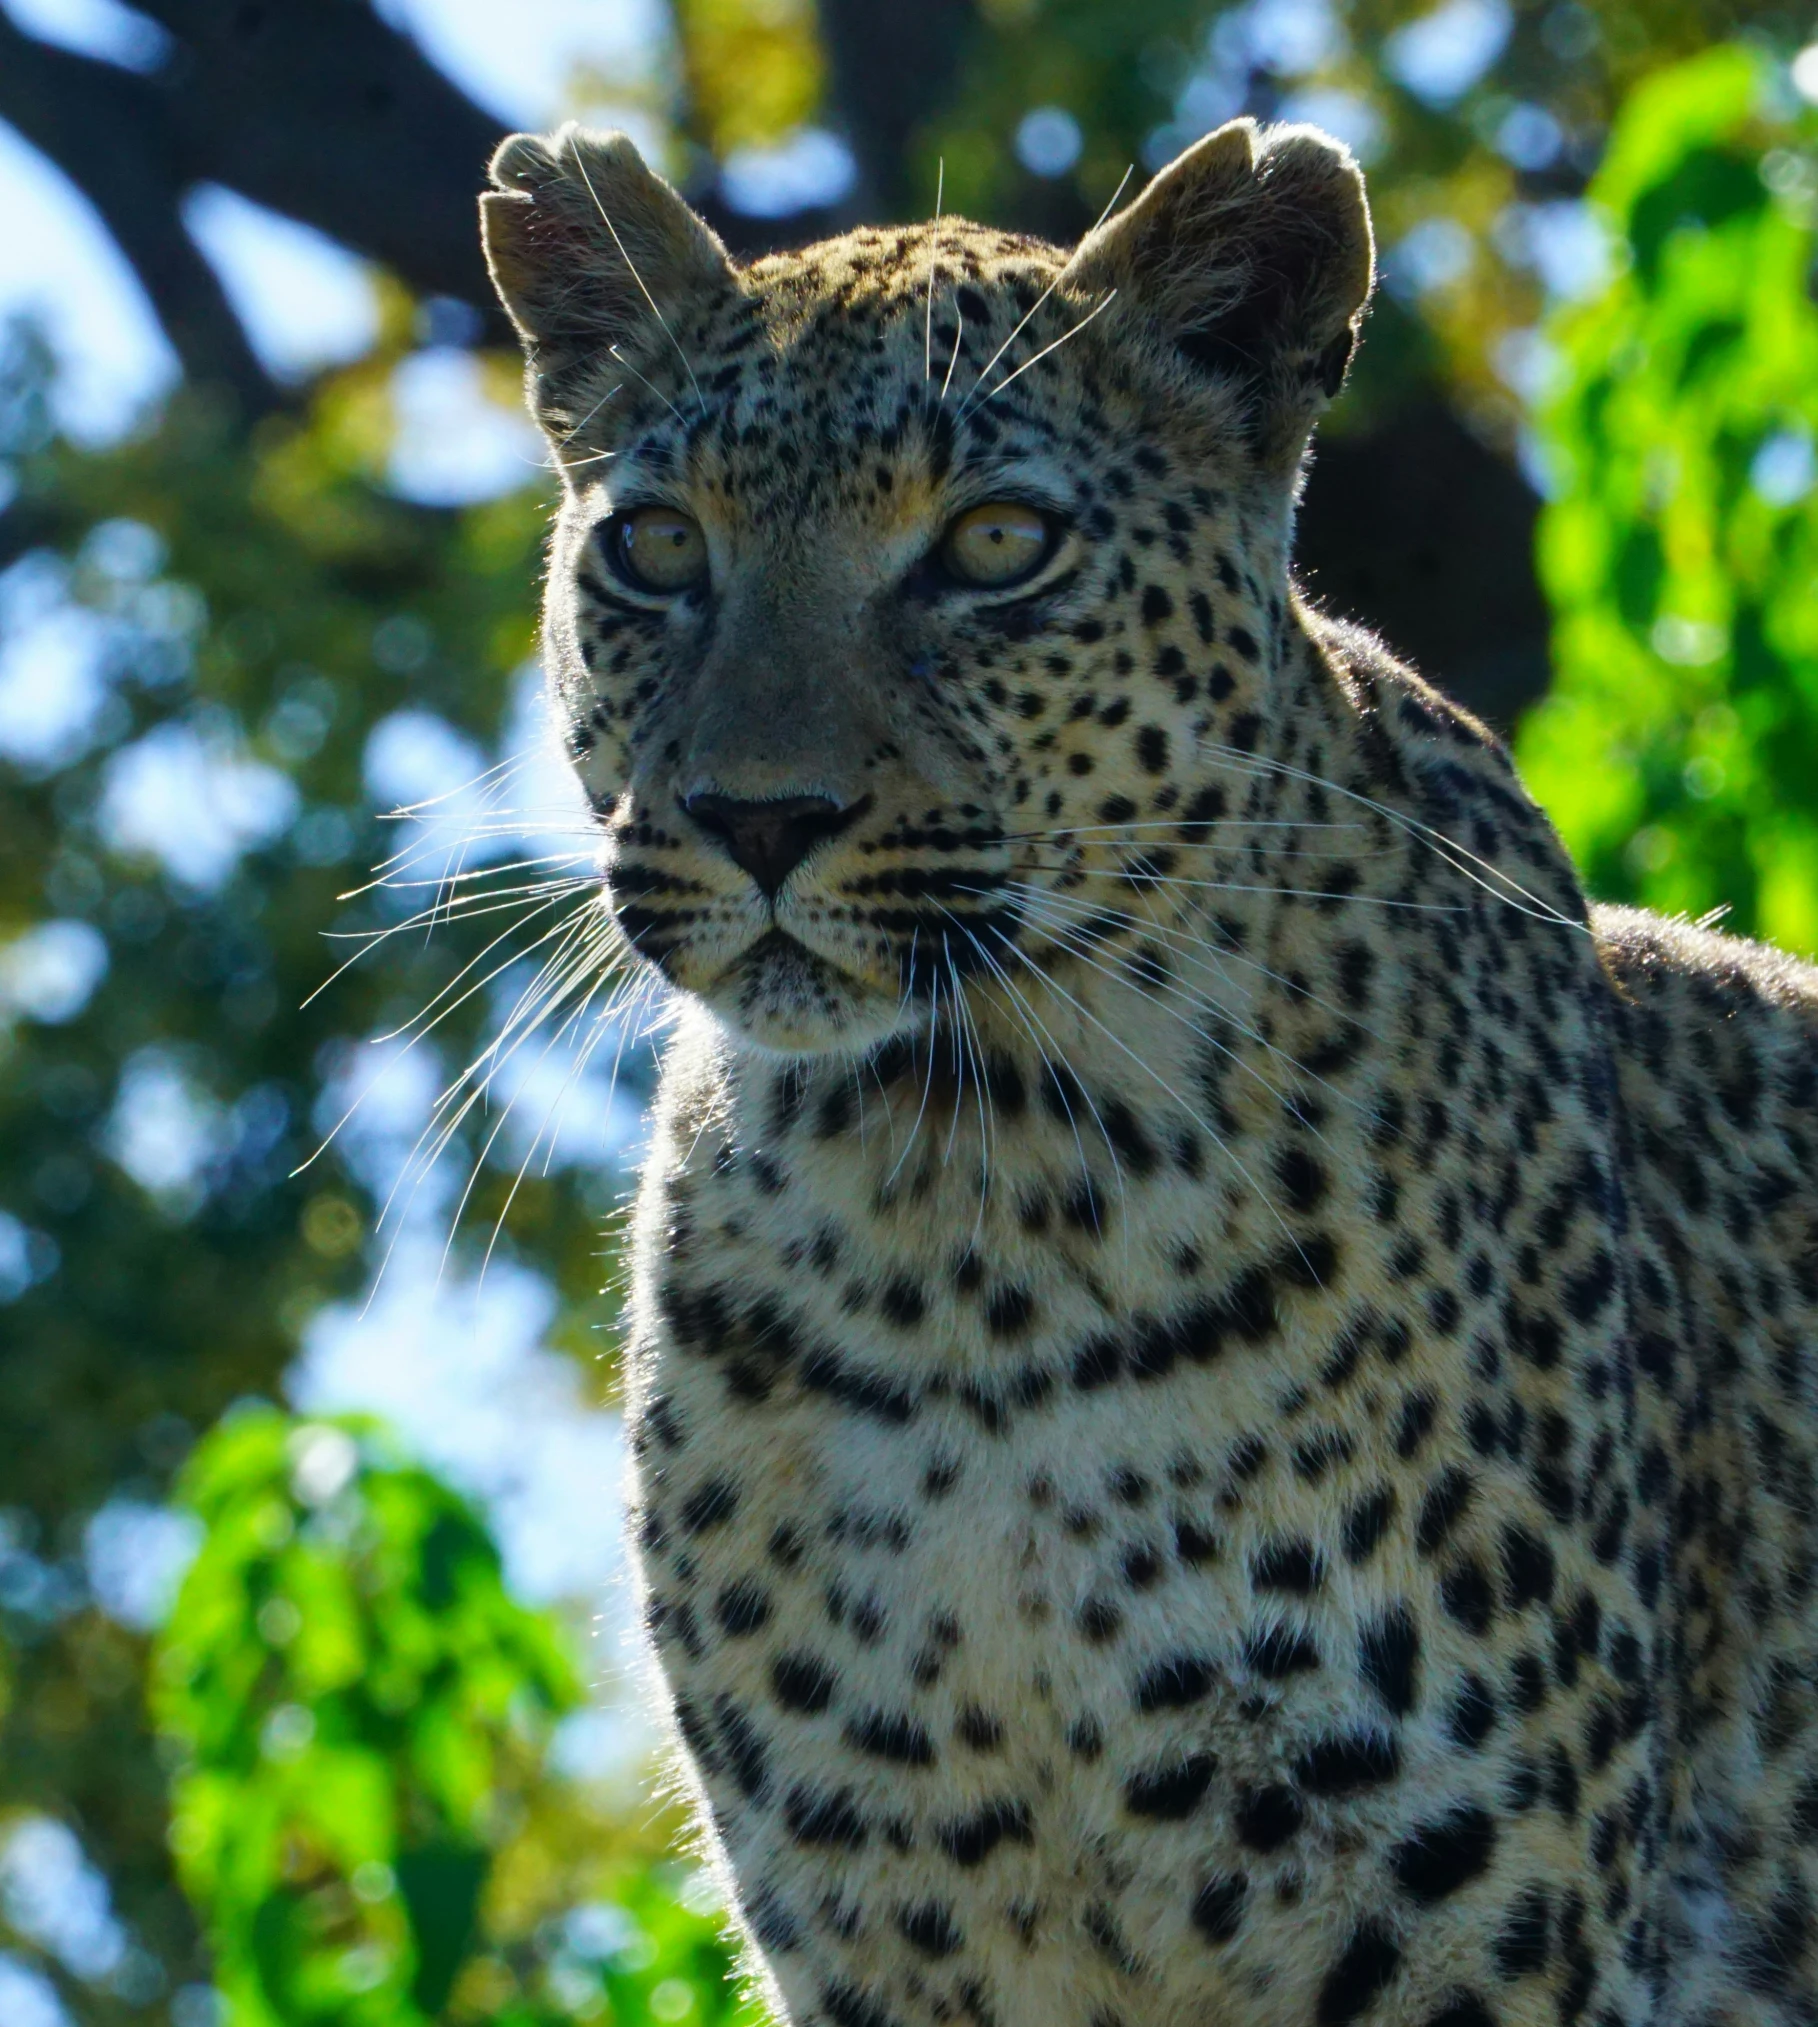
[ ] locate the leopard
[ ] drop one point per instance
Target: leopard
(1220, 1366)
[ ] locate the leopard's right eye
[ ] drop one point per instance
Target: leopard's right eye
(656, 549)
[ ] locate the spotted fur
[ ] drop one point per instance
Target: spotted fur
(1221, 1373)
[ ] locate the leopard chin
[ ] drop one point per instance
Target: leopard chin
(782, 998)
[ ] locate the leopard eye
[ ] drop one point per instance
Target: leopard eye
(657, 548)
(995, 545)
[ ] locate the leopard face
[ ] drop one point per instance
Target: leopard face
(908, 658)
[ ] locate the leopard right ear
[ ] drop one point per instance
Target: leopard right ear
(589, 250)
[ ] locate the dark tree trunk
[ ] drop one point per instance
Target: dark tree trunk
(1425, 535)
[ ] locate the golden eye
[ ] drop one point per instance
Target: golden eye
(659, 548)
(996, 544)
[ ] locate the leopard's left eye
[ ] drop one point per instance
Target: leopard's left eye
(996, 545)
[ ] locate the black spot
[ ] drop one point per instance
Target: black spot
(891, 1735)
(1562, 1782)
(1193, 1543)
(1368, 1966)
(1473, 1713)
(930, 1928)
(772, 1923)
(1464, 1590)
(1286, 1566)
(1097, 1363)
(1083, 1208)
(802, 1683)
(1218, 1906)
(969, 1840)
(817, 1818)
(1099, 1621)
(1602, 1728)
(941, 1476)
(1344, 1763)
(1443, 1856)
(1004, 1085)
(1152, 749)
(1128, 1486)
(1170, 1791)
(1008, 1310)
(1366, 1522)
(1157, 605)
(745, 1752)
(1141, 1565)
(1528, 1682)
(1302, 1179)
(869, 1393)
(1279, 1652)
(1388, 1657)
(743, 1607)
(1172, 1684)
(980, 1729)
(1268, 1817)
(709, 1505)
(1444, 1506)
(1521, 1942)
(1587, 1291)
(1125, 1132)
(1527, 1568)
(1355, 963)
(1416, 1423)
(903, 1302)
(847, 2006)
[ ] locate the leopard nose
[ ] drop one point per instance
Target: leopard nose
(769, 839)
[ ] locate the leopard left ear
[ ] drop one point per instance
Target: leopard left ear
(1251, 257)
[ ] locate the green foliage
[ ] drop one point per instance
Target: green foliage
(357, 1713)
(1678, 748)
(355, 1705)
(274, 601)
(353, 1708)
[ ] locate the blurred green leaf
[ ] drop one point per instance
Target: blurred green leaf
(353, 1703)
(1678, 748)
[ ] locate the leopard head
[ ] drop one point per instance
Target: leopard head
(900, 584)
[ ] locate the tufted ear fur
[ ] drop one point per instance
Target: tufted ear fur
(590, 249)
(1251, 256)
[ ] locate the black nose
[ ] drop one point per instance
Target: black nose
(769, 839)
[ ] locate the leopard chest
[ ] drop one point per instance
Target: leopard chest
(943, 1616)
(1111, 1604)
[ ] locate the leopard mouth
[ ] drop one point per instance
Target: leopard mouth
(821, 965)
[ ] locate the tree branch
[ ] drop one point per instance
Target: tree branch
(106, 130)
(326, 113)
(892, 69)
